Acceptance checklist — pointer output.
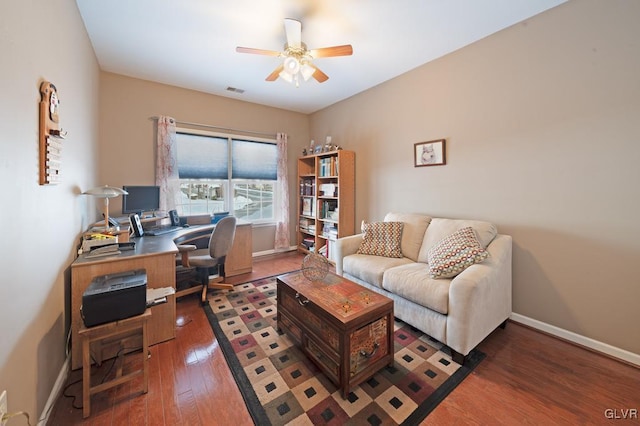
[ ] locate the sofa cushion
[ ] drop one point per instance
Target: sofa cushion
(381, 239)
(412, 282)
(412, 233)
(455, 253)
(440, 228)
(370, 268)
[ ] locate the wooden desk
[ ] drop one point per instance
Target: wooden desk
(157, 255)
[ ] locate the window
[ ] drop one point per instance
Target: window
(220, 173)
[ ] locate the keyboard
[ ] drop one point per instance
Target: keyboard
(161, 230)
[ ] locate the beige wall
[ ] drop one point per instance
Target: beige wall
(542, 124)
(127, 135)
(43, 41)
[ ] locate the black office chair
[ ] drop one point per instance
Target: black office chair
(209, 262)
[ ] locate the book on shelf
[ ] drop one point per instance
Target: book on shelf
(328, 190)
(327, 209)
(307, 186)
(328, 167)
(309, 243)
(330, 230)
(307, 225)
(307, 206)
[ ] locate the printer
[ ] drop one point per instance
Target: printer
(114, 297)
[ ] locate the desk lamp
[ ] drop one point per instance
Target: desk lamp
(106, 192)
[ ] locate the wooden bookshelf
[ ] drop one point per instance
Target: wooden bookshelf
(326, 200)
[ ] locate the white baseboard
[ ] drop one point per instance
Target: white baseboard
(273, 251)
(570, 336)
(55, 392)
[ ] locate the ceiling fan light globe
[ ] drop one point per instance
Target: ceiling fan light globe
(307, 71)
(286, 76)
(291, 65)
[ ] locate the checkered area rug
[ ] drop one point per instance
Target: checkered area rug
(282, 386)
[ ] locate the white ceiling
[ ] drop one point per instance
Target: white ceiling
(191, 44)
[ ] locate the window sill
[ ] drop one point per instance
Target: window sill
(263, 224)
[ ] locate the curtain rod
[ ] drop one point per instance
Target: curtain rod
(226, 129)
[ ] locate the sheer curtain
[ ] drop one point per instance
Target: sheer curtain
(167, 163)
(282, 227)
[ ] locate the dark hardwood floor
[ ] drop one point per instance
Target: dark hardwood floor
(527, 377)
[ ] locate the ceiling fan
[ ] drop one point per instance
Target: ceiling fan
(297, 57)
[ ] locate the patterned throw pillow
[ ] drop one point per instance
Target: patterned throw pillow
(455, 253)
(381, 239)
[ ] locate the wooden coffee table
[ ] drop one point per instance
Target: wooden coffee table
(344, 328)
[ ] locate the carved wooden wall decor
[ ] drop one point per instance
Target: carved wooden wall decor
(51, 135)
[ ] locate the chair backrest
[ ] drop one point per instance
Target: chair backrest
(222, 237)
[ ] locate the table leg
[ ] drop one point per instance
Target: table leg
(145, 358)
(86, 378)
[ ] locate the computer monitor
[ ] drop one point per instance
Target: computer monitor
(140, 199)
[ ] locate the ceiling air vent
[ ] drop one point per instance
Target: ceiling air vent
(235, 90)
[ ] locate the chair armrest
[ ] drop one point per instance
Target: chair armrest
(344, 247)
(184, 250)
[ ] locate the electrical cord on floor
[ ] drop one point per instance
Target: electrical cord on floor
(104, 377)
(64, 393)
(8, 416)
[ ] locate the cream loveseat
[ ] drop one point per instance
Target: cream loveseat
(459, 311)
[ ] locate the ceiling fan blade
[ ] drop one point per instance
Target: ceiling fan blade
(274, 75)
(293, 30)
(257, 51)
(326, 52)
(319, 75)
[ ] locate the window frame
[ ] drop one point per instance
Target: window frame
(229, 183)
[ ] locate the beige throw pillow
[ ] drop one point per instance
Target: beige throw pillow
(381, 239)
(455, 253)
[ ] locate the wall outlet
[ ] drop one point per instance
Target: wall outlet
(3, 408)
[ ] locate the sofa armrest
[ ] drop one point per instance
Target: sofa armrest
(344, 247)
(480, 297)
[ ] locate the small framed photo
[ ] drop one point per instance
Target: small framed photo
(318, 149)
(431, 153)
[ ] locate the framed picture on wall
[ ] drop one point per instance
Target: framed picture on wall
(431, 153)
